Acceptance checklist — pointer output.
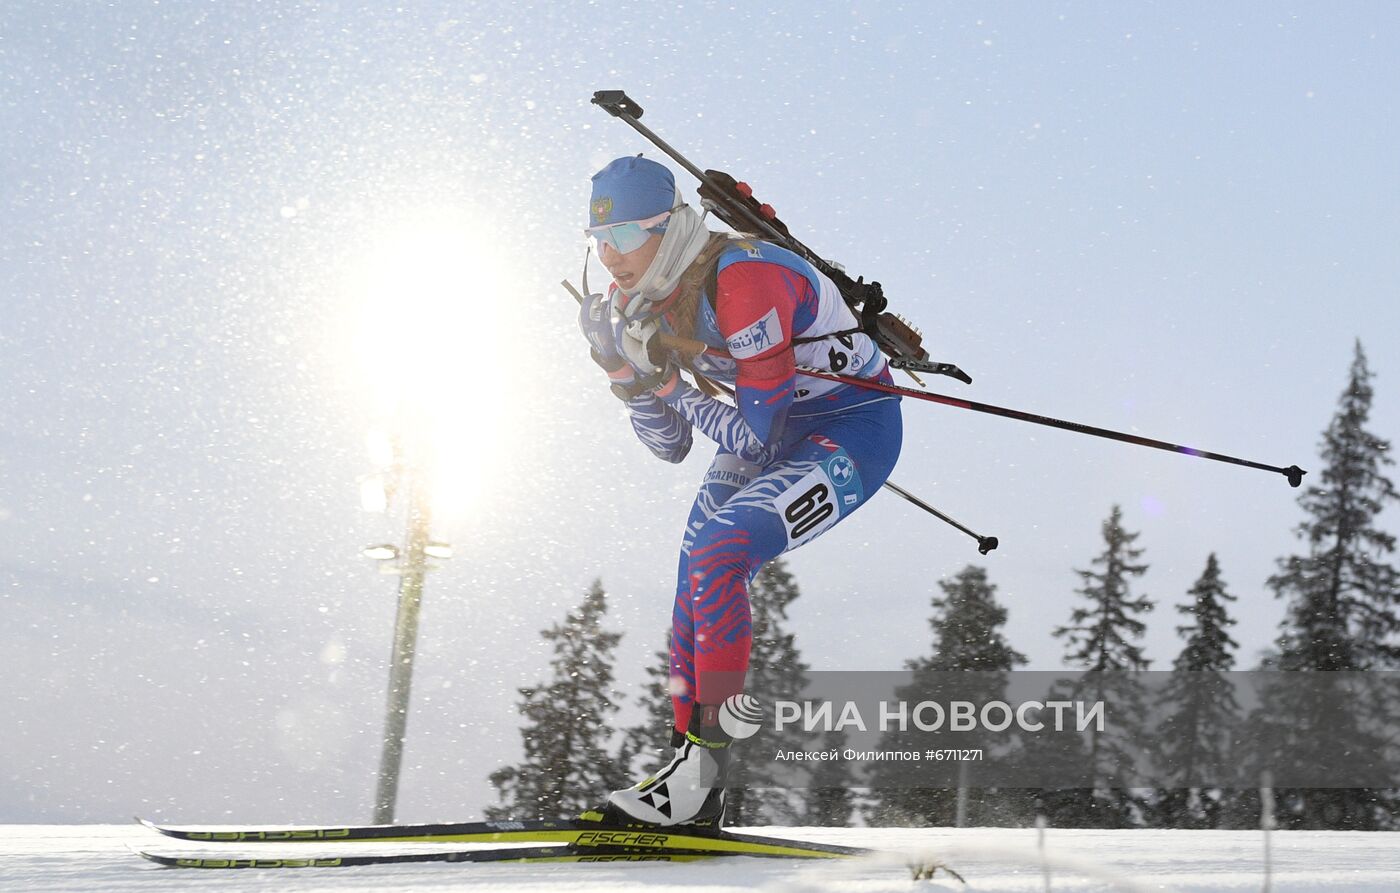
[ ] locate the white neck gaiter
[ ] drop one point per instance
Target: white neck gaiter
(684, 239)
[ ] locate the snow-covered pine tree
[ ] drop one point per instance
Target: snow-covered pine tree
(1199, 712)
(1209, 647)
(830, 798)
(1343, 600)
(1101, 638)
(568, 766)
(1343, 597)
(1102, 635)
(757, 794)
(647, 745)
(967, 627)
(967, 624)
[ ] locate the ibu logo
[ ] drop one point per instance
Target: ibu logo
(756, 338)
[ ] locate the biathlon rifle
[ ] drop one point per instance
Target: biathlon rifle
(733, 202)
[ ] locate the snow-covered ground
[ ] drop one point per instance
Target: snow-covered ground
(102, 857)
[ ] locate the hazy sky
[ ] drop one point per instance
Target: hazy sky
(1170, 218)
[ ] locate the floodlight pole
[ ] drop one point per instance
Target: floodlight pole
(414, 568)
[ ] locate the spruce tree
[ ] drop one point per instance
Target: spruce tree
(1102, 638)
(967, 626)
(1342, 594)
(647, 745)
(567, 766)
(1209, 647)
(1342, 599)
(1200, 713)
(830, 798)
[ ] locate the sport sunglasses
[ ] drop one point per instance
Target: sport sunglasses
(628, 236)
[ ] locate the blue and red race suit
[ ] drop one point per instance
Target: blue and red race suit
(795, 457)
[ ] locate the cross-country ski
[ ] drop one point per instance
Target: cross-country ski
(789, 446)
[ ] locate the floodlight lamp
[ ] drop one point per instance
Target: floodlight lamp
(385, 552)
(438, 550)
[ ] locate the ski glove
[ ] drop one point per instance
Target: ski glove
(651, 363)
(595, 320)
(629, 386)
(635, 342)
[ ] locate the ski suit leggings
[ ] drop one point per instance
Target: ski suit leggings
(827, 467)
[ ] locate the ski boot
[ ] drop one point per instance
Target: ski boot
(690, 789)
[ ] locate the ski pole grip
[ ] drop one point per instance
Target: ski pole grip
(617, 103)
(688, 346)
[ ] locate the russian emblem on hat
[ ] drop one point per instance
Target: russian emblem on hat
(601, 208)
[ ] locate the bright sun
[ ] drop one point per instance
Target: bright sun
(428, 339)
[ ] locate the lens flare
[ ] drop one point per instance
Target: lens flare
(430, 334)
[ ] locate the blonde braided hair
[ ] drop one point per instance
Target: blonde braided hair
(683, 312)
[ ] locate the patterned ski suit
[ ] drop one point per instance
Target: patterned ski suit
(796, 456)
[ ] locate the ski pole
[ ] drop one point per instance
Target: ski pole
(985, 544)
(759, 219)
(1292, 472)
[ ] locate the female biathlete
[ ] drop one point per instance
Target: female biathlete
(795, 456)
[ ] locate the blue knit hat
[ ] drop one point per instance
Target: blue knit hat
(630, 188)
